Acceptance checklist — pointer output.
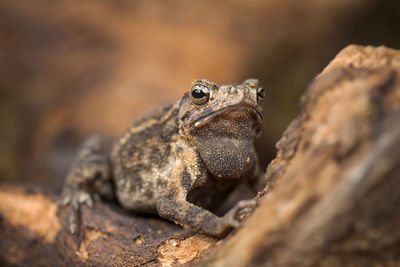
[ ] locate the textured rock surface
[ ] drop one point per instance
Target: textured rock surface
(332, 197)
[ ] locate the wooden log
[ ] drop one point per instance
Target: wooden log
(31, 233)
(332, 199)
(336, 179)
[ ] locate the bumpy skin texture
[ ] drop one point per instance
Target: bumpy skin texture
(181, 161)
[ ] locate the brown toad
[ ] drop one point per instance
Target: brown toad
(180, 162)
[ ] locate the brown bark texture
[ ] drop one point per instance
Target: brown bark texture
(332, 198)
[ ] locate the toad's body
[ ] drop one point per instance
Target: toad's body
(181, 161)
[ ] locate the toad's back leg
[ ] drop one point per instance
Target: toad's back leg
(89, 176)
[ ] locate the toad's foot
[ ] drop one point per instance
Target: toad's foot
(240, 212)
(89, 177)
(74, 199)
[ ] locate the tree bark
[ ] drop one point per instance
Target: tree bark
(332, 198)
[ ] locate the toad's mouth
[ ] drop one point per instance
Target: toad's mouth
(231, 112)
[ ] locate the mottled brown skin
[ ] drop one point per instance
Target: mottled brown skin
(180, 162)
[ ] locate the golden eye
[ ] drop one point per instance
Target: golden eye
(260, 94)
(200, 94)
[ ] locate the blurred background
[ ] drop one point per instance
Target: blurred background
(71, 68)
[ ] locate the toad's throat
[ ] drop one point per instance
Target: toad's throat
(227, 157)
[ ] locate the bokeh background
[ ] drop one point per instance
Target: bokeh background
(70, 68)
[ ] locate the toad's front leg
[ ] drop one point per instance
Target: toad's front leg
(89, 176)
(174, 206)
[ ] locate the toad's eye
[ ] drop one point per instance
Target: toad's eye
(260, 94)
(200, 94)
